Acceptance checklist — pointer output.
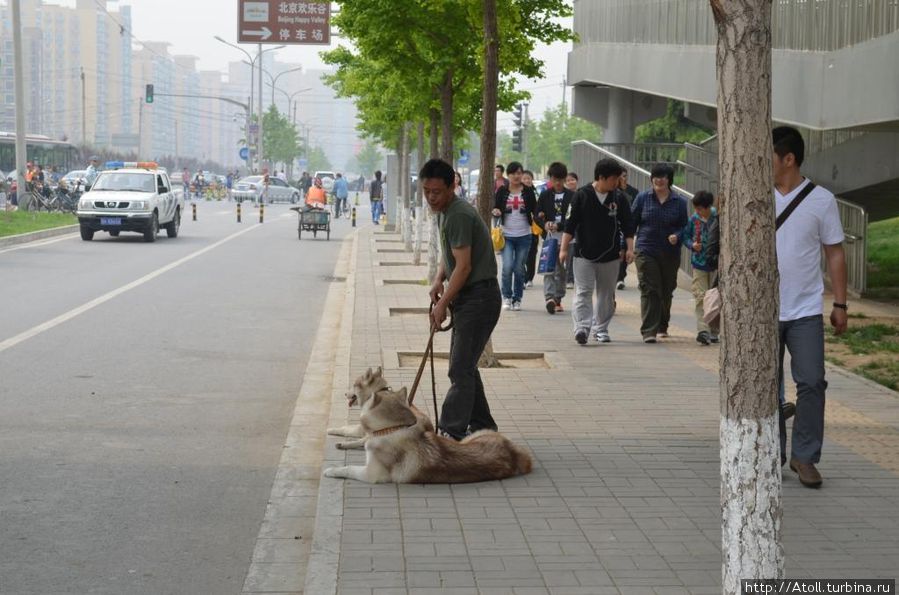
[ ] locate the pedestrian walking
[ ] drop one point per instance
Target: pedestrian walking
(698, 238)
(552, 205)
(527, 178)
(658, 213)
(630, 193)
(571, 183)
(515, 205)
(465, 281)
(341, 191)
(808, 221)
(600, 219)
(376, 197)
(499, 177)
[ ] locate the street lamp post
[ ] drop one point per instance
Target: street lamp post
(252, 62)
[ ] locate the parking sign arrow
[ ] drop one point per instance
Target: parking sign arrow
(264, 34)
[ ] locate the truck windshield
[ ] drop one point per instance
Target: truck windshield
(127, 182)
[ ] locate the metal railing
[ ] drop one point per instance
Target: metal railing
(701, 169)
(812, 25)
(584, 156)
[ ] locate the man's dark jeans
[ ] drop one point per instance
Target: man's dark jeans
(804, 337)
(475, 314)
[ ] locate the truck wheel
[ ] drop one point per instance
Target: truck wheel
(87, 234)
(171, 228)
(152, 229)
(114, 233)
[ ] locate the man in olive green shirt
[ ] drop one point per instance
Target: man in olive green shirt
(469, 271)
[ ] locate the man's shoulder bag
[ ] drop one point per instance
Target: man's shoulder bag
(793, 204)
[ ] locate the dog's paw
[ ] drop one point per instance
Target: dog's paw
(336, 472)
(334, 431)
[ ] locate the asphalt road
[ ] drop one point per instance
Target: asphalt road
(145, 394)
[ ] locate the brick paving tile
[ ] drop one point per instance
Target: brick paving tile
(624, 496)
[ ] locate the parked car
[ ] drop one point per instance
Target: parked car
(251, 188)
(327, 179)
(76, 176)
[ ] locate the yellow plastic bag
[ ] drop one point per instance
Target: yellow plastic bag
(499, 240)
(535, 228)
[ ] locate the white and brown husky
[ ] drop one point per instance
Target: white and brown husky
(399, 448)
(365, 387)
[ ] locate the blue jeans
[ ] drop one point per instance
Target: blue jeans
(515, 254)
(804, 338)
(376, 210)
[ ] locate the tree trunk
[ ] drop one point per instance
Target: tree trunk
(488, 137)
(434, 133)
(433, 243)
(407, 193)
(419, 203)
(446, 108)
(750, 452)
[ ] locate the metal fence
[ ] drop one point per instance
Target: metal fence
(813, 25)
(855, 227)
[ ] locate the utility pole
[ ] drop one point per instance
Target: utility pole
(261, 113)
(83, 110)
(21, 157)
(564, 85)
(140, 127)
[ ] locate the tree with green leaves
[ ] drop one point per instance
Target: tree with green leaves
(281, 141)
(369, 158)
(318, 160)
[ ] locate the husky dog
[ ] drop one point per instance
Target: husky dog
(400, 449)
(365, 387)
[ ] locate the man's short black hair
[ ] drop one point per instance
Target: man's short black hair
(607, 168)
(788, 140)
(528, 172)
(557, 170)
(663, 170)
(439, 169)
(573, 175)
(703, 199)
(513, 167)
(500, 167)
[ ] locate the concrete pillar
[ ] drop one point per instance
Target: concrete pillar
(621, 123)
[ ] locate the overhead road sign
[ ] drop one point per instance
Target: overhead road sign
(279, 22)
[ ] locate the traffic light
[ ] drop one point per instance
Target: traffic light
(517, 115)
(516, 140)
(149, 93)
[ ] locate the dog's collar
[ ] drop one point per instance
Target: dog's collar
(387, 431)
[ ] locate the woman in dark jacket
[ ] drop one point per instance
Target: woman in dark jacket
(515, 205)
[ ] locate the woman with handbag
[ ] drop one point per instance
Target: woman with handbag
(514, 205)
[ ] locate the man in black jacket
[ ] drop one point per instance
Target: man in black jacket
(551, 208)
(600, 219)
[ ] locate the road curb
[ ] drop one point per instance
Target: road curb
(32, 236)
(321, 569)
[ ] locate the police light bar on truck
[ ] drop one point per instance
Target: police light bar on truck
(131, 165)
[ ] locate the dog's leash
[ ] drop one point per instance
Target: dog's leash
(429, 352)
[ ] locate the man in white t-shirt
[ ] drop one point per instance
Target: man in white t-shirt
(815, 223)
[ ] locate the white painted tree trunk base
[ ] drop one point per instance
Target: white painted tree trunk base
(433, 247)
(750, 501)
(416, 249)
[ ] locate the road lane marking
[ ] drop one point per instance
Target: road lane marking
(36, 330)
(37, 243)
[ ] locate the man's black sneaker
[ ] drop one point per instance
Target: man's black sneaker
(703, 338)
(551, 306)
(713, 338)
(788, 408)
(581, 337)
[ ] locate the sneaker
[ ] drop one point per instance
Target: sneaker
(662, 335)
(551, 306)
(649, 339)
(620, 285)
(569, 285)
(516, 306)
(703, 338)
(528, 284)
(559, 307)
(788, 408)
(581, 337)
(713, 337)
(445, 434)
(603, 337)
(507, 303)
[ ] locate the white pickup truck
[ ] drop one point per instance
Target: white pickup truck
(131, 197)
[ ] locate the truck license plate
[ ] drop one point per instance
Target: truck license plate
(110, 220)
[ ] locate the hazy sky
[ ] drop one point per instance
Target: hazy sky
(189, 25)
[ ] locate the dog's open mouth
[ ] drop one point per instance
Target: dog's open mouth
(351, 400)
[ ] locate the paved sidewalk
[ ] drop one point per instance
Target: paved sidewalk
(624, 496)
